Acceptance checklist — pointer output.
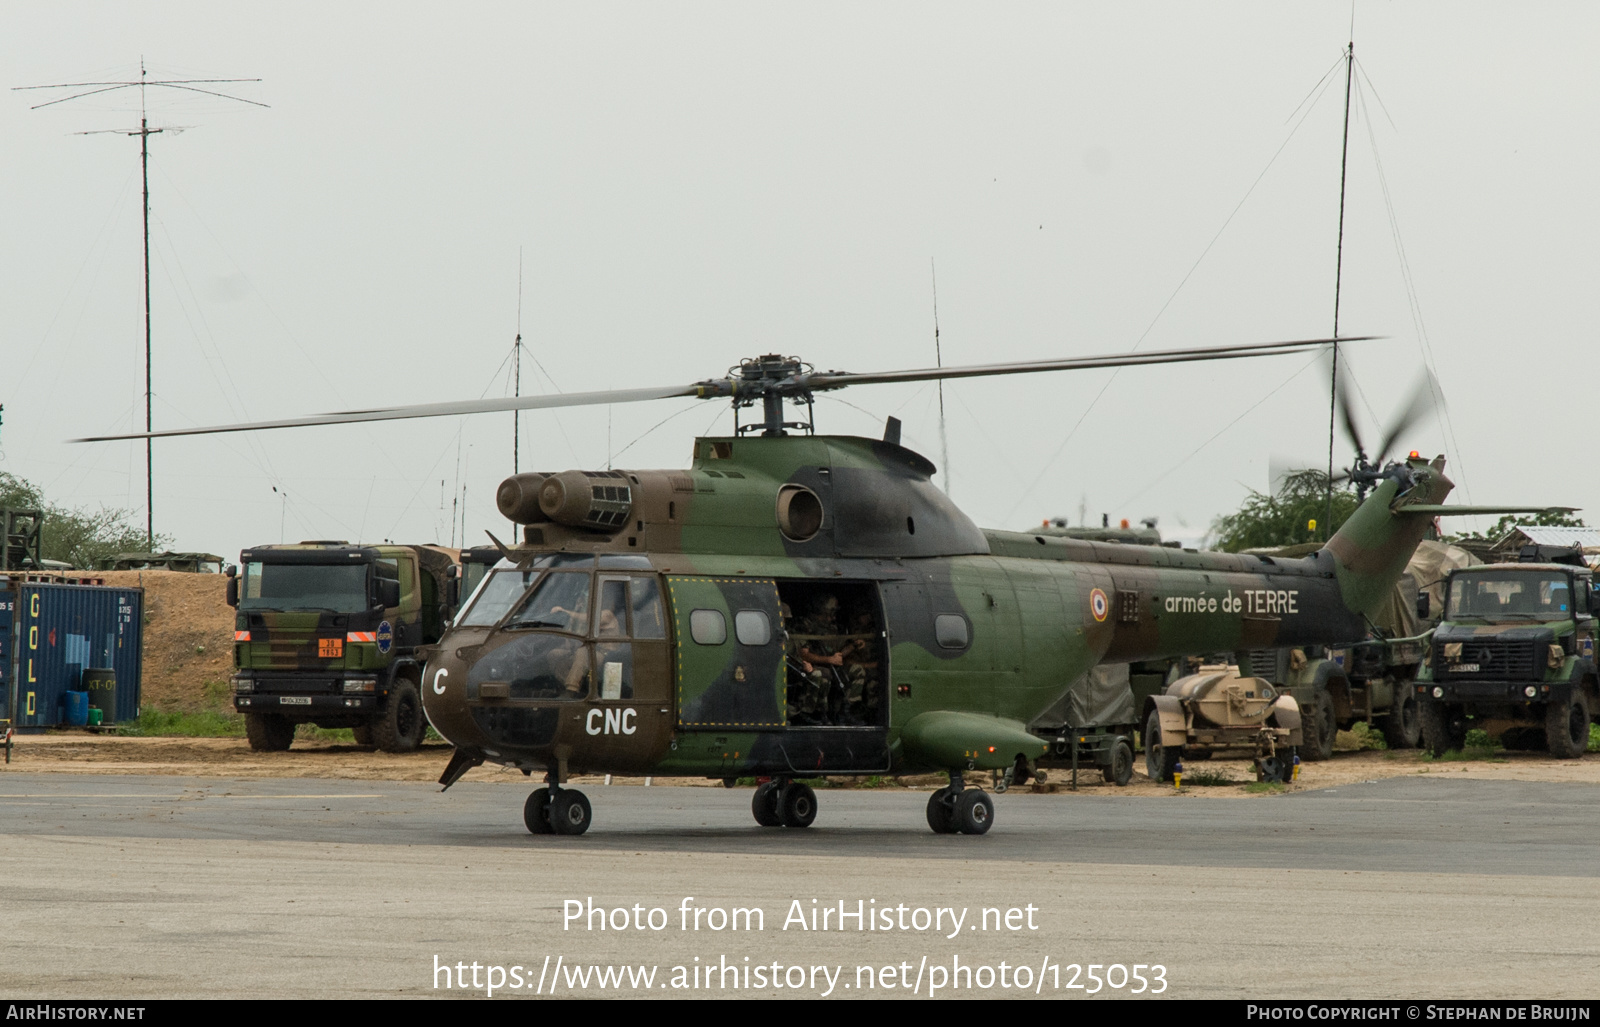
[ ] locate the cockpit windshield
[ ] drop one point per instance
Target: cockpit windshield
(1511, 595)
(495, 596)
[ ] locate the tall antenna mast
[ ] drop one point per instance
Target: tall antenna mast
(1338, 272)
(516, 435)
(938, 356)
(144, 132)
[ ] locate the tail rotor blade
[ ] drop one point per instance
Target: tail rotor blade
(1421, 404)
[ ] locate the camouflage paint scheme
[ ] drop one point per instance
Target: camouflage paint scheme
(1554, 657)
(1039, 611)
(282, 654)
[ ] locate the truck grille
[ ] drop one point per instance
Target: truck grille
(1490, 659)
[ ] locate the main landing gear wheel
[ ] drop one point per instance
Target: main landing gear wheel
(570, 812)
(974, 812)
(764, 805)
(941, 812)
(535, 812)
(797, 805)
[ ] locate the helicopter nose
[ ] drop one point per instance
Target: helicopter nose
(444, 679)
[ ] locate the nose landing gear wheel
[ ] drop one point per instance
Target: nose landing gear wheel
(535, 812)
(569, 812)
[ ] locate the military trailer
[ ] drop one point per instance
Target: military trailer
(327, 633)
(1219, 709)
(1514, 656)
(1095, 724)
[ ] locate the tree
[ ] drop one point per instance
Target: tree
(80, 537)
(1283, 519)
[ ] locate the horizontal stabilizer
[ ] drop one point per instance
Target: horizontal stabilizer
(1435, 510)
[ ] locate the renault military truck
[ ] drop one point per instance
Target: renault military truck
(327, 633)
(1514, 656)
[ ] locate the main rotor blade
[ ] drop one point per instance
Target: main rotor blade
(471, 406)
(1421, 403)
(729, 387)
(838, 379)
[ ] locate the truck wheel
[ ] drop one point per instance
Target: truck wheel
(1317, 727)
(1120, 770)
(1402, 728)
(1443, 727)
(363, 733)
(1160, 761)
(397, 728)
(268, 732)
(1566, 727)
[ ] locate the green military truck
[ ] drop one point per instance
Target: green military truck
(1514, 656)
(327, 633)
(1372, 681)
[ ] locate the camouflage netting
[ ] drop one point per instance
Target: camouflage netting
(1426, 572)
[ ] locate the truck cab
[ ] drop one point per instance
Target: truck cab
(327, 633)
(1514, 656)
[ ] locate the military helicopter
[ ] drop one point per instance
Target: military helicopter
(796, 604)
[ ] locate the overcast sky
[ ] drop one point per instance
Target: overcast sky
(689, 184)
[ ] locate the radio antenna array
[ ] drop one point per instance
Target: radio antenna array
(143, 83)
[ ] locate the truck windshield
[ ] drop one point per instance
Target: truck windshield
(341, 588)
(1511, 595)
(494, 597)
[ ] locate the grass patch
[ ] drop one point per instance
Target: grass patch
(1594, 738)
(1367, 736)
(1208, 778)
(1265, 787)
(160, 723)
(313, 733)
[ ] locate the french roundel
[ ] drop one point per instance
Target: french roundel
(1098, 604)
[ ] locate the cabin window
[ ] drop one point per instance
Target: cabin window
(751, 627)
(950, 631)
(708, 627)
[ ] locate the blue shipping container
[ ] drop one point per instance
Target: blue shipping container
(49, 634)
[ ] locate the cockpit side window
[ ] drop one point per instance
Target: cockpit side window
(560, 601)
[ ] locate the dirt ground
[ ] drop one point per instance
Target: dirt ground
(71, 752)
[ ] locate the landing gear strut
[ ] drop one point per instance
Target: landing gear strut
(556, 810)
(957, 809)
(780, 803)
